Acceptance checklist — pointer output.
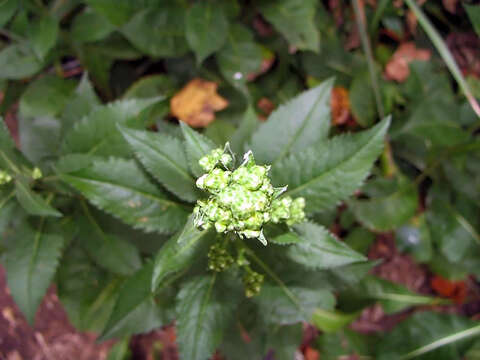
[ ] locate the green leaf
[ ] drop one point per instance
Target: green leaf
(10, 157)
(135, 310)
(163, 156)
(117, 12)
(206, 29)
(329, 172)
(294, 126)
(343, 345)
(7, 10)
(97, 133)
(245, 130)
(31, 264)
(286, 239)
(319, 249)
(39, 138)
(120, 351)
(43, 34)
(177, 253)
(220, 131)
(284, 341)
(239, 57)
(151, 86)
(428, 336)
(196, 146)
(120, 188)
(33, 203)
(473, 12)
(414, 238)
(332, 321)
(295, 19)
(202, 316)
(387, 212)
(46, 96)
(90, 26)
(362, 99)
(158, 32)
(83, 101)
(276, 307)
(17, 62)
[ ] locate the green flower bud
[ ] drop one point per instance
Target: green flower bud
(216, 180)
(297, 214)
(218, 258)
(252, 282)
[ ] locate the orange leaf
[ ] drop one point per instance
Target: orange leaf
(397, 68)
(454, 290)
(340, 105)
(197, 102)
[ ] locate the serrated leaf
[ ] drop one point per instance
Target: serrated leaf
(319, 249)
(196, 146)
(202, 316)
(33, 203)
(428, 336)
(120, 188)
(206, 29)
(43, 34)
(387, 212)
(286, 239)
(245, 130)
(163, 156)
(31, 264)
(97, 133)
(177, 253)
(18, 61)
(46, 96)
(295, 20)
(39, 138)
(294, 126)
(329, 172)
(276, 307)
(135, 310)
(158, 32)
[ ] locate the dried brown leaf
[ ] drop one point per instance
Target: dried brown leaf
(397, 68)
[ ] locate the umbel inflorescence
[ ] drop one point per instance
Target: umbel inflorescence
(242, 200)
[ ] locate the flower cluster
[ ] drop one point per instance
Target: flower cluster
(252, 282)
(5, 177)
(218, 258)
(242, 200)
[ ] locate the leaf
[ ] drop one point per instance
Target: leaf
(97, 133)
(120, 188)
(206, 29)
(239, 57)
(135, 310)
(7, 10)
(91, 26)
(387, 212)
(31, 264)
(294, 126)
(332, 321)
(46, 96)
(286, 239)
(414, 238)
(177, 253)
(17, 62)
(245, 130)
(117, 12)
(43, 34)
(220, 131)
(120, 351)
(295, 20)
(319, 249)
(39, 138)
(362, 99)
(276, 307)
(284, 341)
(164, 158)
(33, 203)
(397, 67)
(344, 344)
(473, 12)
(330, 171)
(202, 316)
(158, 32)
(428, 336)
(151, 86)
(10, 157)
(196, 146)
(197, 103)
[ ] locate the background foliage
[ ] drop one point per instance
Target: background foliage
(81, 82)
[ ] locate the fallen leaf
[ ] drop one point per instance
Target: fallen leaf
(397, 68)
(454, 290)
(197, 102)
(340, 106)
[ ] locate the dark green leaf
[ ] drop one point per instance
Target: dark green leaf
(39, 137)
(343, 345)
(293, 127)
(17, 62)
(120, 188)
(196, 146)
(120, 351)
(7, 10)
(202, 316)
(177, 253)
(243, 134)
(220, 131)
(91, 26)
(117, 12)
(158, 32)
(164, 157)
(295, 20)
(284, 341)
(330, 171)
(206, 28)
(473, 12)
(31, 264)
(362, 99)
(43, 34)
(135, 310)
(33, 203)
(319, 249)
